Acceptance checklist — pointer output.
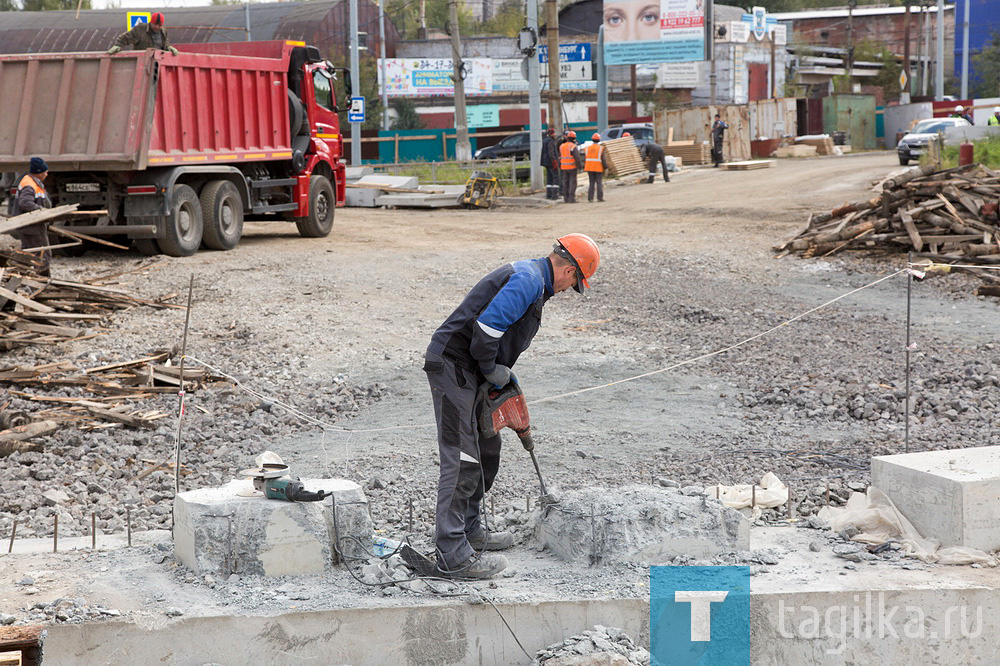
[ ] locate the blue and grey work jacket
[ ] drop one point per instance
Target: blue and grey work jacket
(498, 318)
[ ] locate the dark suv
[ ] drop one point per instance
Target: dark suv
(515, 145)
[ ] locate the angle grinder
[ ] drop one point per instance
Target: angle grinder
(270, 478)
(507, 408)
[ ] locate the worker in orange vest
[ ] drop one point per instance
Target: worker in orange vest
(595, 164)
(569, 164)
(31, 195)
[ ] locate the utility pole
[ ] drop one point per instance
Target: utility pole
(463, 151)
(555, 89)
(939, 71)
(381, 50)
(534, 101)
(355, 83)
(602, 83)
(904, 91)
(925, 72)
(710, 48)
(965, 51)
(246, 17)
(851, 4)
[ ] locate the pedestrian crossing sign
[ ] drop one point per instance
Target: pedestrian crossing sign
(133, 19)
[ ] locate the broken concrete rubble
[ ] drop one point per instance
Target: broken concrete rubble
(601, 646)
(640, 524)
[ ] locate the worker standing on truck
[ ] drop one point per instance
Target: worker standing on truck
(569, 164)
(479, 342)
(595, 165)
(31, 195)
(144, 36)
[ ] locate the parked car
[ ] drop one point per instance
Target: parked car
(642, 133)
(914, 143)
(515, 145)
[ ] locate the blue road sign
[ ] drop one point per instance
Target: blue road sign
(567, 53)
(356, 114)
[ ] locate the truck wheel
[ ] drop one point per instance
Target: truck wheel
(322, 203)
(184, 226)
(147, 247)
(222, 213)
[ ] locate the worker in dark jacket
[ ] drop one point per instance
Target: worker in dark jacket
(550, 161)
(569, 164)
(144, 36)
(719, 128)
(480, 342)
(595, 163)
(31, 195)
(653, 154)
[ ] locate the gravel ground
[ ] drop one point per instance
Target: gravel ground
(337, 327)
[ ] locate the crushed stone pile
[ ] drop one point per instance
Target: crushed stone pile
(601, 646)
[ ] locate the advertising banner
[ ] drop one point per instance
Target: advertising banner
(653, 31)
(431, 77)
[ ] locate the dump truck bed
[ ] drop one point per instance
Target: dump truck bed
(139, 109)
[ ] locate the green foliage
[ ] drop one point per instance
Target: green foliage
(368, 81)
(888, 77)
(44, 5)
(986, 152)
(8, 6)
(798, 5)
(406, 15)
(407, 117)
(507, 21)
(986, 65)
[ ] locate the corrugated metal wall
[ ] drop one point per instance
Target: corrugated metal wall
(854, 114)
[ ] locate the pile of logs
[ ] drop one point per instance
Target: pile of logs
(949, 217)
(623, 157)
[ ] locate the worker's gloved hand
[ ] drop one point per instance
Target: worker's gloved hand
(501, 376)
(114, 49)
(172, 50)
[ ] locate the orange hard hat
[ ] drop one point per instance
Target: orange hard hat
(582, 251)
(156, 18)
(571, 134)
(625, 135)
(596, 137)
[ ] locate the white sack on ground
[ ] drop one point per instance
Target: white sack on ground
(879, 521)
(769, 493)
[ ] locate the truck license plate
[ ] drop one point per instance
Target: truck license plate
(83, 187)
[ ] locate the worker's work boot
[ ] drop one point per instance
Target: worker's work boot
(484, 540)
(476, 567)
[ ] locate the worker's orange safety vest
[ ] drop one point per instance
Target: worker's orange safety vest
(593, 161)
(567, 160)
(28, 181)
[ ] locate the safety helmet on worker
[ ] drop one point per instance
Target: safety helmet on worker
(626, 134)
(596, 137)
(570, 134)
(996, 109)
(582, 252)
(959, 108)
(156, 18)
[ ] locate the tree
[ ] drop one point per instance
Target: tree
(8, 6)
(45, 5)
(985, 73)
(407, 117)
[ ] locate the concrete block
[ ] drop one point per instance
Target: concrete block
(365, 197)
(354, 173)
(218, 531)
(639, 524)
(952, 496)
(798, 150)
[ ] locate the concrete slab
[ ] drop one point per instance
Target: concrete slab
(365, 197)
(217, 531)
(952, 496)
(354, 173)
(641, 524)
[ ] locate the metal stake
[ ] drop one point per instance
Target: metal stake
(128, 525)
(753, 496)
(909, 293)
(828, 493)
(789, 507)
(55, 534)
(93, 530)
(180, 393)
(13, 531)
(410, 529)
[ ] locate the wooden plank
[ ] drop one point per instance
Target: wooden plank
(34, 217)
(118, 417)
(911, 229)
(162, 356)
(26, 302)
(64, 331)
(73, 234)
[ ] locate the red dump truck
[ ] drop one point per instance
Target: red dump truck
(175, 152)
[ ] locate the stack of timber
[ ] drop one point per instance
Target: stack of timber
(947, 217)
(749, 165)
(695, 153)
(822, 142)
(623, 157)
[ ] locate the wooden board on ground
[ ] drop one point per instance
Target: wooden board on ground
(698, 153)
(749, 165)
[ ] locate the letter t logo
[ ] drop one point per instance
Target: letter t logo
(701, 611)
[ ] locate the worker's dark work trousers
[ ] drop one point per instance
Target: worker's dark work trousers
(717, 152)
(596, 182)
(468, 463)
(36, 235)
(569, 185)
(551, 183)
(653, 162)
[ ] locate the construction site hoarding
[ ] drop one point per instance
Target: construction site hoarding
(653, 31)
(432, 77)
(138, 109)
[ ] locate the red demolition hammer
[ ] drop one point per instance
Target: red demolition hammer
(507, 408)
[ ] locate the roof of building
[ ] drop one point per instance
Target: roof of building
(842, 12)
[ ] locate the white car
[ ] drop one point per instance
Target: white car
(913, 145)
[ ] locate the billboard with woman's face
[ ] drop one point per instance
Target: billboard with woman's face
(653, 31)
